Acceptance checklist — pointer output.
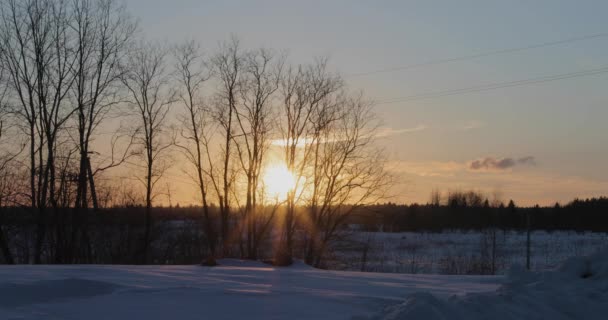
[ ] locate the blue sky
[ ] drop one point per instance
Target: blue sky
(561, 124)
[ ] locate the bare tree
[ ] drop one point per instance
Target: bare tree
(228, 64)
(150, 95)
(347, 171)
(192, 72)
(7, 177)
(103, 31)
(8, 192)
(435, 198)
(9, 150)
(63, 244)
(302, 91)
(37, 52)
(254, 117)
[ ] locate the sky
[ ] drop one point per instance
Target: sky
(535, 143)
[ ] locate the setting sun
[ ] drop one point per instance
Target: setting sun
(278, 181)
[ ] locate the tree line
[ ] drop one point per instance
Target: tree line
(473, 211)
(84, 97)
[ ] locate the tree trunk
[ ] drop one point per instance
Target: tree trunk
(225, 229)
(148, 222)
(92, 185)
(40, 235)
(6, 251)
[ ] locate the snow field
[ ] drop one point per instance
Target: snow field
(234, 290)
(456, 252)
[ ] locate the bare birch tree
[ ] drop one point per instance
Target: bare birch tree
(37, 52)
(103, 32)
(347, 171)
(227, 64)
(302, 91)
(150, 96)
(192, 73)
(254, 117)
(7, 171)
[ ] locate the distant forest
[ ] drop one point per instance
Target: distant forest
(178, 237)
(579, 215)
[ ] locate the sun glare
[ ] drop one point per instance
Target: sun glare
(278, 181)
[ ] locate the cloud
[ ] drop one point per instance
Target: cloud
(381, 133)
(387, 132)
(452, 168)
(302, 142)
(426, 168)
(474, 124)
(529, 160)
(498, 164)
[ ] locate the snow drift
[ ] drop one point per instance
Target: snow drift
(44, 291)
(578, 289)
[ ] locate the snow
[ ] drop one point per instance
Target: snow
(418, 252)
(578, 289)
(234, 290)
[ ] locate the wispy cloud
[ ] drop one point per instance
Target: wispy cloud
(302, 142)
(381, 133)
(387, 132)
(499, 164)
(473, 124)
(427, 169)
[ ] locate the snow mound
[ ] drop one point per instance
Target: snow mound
(301, 265)
(241, 263)
(578, 289)
(238, 263)
(21, 294)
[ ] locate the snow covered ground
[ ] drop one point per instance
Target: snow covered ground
(252, 290)
(235, 290)
(578, 289)
(459, 252)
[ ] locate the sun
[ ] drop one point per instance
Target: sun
(279, 181)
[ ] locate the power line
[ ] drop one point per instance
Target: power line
(497, 85)
(479, 55)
